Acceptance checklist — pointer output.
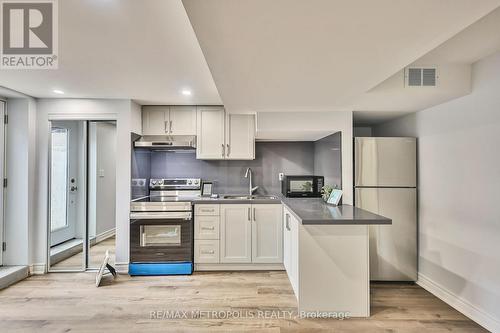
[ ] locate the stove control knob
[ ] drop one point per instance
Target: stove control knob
(160, 182)
(189, 182)
(196, 182)
(153, 182)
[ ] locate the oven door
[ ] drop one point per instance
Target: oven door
(161, 237)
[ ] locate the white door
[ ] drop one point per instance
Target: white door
(267, 234)
(294, 254)
(210, 133)
(66, 173)
(2, 173)
(240, 137)
(235, 233)
(182, 120)
(287, 241)
(155, 120)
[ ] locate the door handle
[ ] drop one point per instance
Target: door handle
(254, 218)
(170, 127)
(228, 150)
(287, 222)
(249, 218)
(223, 151)
(166, 124)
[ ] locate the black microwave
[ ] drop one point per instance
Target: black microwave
(302, 186)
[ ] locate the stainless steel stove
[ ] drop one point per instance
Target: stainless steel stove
(161, 228)
(177, 187)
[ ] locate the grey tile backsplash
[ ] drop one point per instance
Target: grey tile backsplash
(271, 158)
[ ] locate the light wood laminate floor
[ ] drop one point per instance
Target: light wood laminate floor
(63, 302)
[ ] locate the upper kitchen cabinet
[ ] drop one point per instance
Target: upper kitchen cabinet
(155, 120)
(224, 136)
(169, 120)
(210, 133)
(240, 137)
(182, 120)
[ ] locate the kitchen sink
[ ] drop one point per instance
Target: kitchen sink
(250, 197)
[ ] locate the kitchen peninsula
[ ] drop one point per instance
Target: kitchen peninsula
(325, 251)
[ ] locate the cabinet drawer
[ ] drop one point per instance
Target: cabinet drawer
(206, 227)
(206, 252)
(206, 209)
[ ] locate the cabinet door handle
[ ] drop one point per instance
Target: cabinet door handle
(249, 218)
(287, 222)
(228, 150)
(166, 126)
(208, 252)
(223, 150)
(208, 228)
(254, 217)
(170, 126)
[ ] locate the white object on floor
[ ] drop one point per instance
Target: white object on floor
(104, 265)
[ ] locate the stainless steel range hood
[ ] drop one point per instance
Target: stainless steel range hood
(166, 142)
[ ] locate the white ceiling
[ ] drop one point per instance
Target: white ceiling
(320, 55)
(143, 50)
(453, 59)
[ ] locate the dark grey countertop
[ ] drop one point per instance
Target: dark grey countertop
(207, 200)
(311, 210)
(315, 211)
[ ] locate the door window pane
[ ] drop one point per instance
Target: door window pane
(59, 179)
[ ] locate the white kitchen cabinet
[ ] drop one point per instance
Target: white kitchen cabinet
(224, 136)
(235, 233)
(182, 120)
(206, 251)
(291, 249)
(155, 120)
(206, 227)
(168, 120)
(251, 233)
(210, 133)
(240, 137)
(267, 234)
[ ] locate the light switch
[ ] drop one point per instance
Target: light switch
(281, 175)
(101, 173)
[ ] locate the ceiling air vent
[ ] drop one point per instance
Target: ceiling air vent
(421, 77)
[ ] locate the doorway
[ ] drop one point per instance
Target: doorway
(82, 180)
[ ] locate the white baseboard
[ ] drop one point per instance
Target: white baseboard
(37, 269)
(239, 267)
(473, 312)
(121, 267)
(102, 236)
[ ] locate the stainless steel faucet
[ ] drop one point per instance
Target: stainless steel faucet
(251, 189)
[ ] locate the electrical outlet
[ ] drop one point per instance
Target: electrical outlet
(281, 175)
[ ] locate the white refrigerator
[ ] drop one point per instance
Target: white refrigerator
(385, 183)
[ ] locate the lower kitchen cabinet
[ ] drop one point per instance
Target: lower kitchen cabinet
(236, 233)
(206, 251)
(291, 249)
(267, 234)
(251, 234)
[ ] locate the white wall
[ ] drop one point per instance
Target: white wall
(304, 125)
(459, 198)
(125, 114)
(20, 154)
